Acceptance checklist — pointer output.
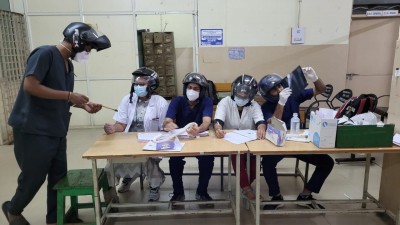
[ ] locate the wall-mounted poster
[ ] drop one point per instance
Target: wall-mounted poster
(211, 37)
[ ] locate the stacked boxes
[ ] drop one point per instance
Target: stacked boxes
(159, 55)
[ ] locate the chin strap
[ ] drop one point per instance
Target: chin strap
(170, 135)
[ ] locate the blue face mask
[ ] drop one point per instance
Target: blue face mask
(141, 91)
(240, 101)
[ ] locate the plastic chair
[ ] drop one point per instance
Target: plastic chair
(342, 96)
(382, 111)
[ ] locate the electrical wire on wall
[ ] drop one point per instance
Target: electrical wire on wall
(162, 23)
(298, 14)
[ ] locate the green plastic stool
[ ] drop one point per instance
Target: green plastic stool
(76, 183)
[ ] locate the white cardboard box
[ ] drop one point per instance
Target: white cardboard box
(322, 131)
(276, 132)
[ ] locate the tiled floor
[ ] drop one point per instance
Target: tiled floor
(345, 181)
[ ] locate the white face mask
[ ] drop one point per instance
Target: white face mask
(81, 57)
(240, 101)
(192, 95)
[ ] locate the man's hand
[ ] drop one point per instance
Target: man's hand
(77, 99)
(261, 131)
(194, 130)
(310, 74)
(109, 128)
(170, 126)
(91, 107)
(284, 95)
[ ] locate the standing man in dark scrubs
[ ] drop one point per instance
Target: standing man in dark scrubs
(40, 117)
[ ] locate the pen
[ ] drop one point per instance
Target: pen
(102, 106)
(110, 108)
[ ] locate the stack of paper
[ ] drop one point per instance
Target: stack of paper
(396, 139)
(241, 136)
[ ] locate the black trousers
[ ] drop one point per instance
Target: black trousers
(323, 167)
(38, 156)
(176, 166)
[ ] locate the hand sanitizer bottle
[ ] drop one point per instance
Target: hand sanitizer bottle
(295, 124)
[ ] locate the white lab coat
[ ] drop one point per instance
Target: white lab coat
(153, 118)
(153, 121)
(227, 111)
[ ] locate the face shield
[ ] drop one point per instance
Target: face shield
(140, 80)
(96, 39)
(243, 91)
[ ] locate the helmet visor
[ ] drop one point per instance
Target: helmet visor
(96, 39)
(243, 91)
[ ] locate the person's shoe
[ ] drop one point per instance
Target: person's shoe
(12, 219)
(308, 205)
(177, 198)
(274, 206)
(154, 194)
(248, 193)
(126, 185)
(205, 197)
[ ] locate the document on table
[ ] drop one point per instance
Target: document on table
(396, 139)
(241, 136)
(303, 137)
(144, 137)
(169, 146)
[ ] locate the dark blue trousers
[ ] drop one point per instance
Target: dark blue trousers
(38, 157)
(323, 167)
(176, 166)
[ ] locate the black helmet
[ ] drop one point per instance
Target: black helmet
(245, 84)
(153, 80)
(151, 77)
(196, 78)
(81, 34)
(267, 83)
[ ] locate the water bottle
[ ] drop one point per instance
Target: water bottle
(295, 124)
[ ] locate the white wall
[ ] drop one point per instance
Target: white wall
(106, 77)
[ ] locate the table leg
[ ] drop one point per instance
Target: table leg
(112, 172)
(96, 191)
(258, 158)
(238, 196)
(366, 178)
(229, 173)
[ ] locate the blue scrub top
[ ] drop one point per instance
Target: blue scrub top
(292, 106)
(180, 111)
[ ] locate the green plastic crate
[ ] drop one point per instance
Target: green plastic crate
(364, 136)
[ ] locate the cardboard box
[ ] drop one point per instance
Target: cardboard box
(168, 37)
(364, 136)
(322, 131)
(158, 37)
(276, 132)
(147, 37)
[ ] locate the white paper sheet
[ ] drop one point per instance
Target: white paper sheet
(303, 137)
(142, 137)
(241, 136)
(396, 139)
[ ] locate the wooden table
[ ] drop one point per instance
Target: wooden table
(126, 145)
(264, 147)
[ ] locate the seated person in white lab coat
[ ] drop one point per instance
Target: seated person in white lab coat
(240, 112)
(140, 111)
